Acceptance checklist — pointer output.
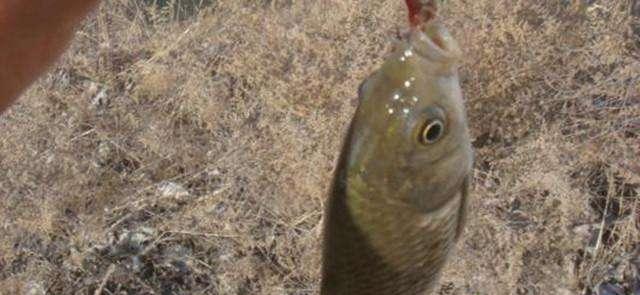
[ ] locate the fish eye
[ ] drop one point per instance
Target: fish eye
(432, 131)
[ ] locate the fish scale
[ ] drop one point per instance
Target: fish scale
(410, 269)
(398, 201)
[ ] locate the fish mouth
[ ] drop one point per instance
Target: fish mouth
(433, 41)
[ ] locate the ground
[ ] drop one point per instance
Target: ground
(170, 153)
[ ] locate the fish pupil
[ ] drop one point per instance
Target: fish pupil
(432, 132)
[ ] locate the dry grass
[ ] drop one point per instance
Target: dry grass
(192, 155)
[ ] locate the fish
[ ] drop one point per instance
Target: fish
(398, 200)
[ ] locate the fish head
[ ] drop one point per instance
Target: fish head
(409, 138)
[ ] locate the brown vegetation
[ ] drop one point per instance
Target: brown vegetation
(170, 155)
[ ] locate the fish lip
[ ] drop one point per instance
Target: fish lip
(434, 42)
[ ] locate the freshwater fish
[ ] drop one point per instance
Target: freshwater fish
(398, 200)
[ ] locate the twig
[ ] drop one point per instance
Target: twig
(610, 189)
(119, 221)
(107, 275)
(208, 235)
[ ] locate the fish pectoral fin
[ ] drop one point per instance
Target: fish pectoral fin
(364, 86)
(462, 213)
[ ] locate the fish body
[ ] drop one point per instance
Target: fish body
(398, 199)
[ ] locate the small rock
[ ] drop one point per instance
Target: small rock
(169, 189)
(100, 99)
(214, 173)
(105, 153)
(133, 242)
(177, 252)
(75, 260)
(218, 209)
(610, 289)
(584, 231)
(518, 220)
(34, 288)
(136, 264)
(635, 286)
(51, 157)
(588, 235)
(177, 257)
